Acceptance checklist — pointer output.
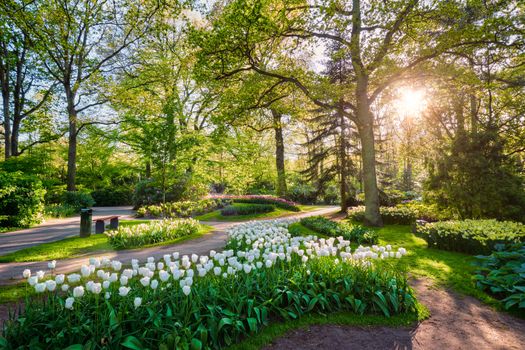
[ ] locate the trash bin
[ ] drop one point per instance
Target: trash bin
(85, 222)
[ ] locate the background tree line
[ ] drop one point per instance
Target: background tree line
(162, 101)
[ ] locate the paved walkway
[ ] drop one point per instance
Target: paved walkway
(53, 230)
(12, 272)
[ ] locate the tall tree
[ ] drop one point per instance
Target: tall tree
(79, 41)
(383, 40)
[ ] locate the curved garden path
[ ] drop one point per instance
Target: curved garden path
(12, 272)
(456, 322)
(53, 230)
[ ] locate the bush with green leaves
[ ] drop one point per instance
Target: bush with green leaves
(183, 209)
(471, 236)
(261, 199)
(354, 233)
(109, 197)
(209, 301)
(247, 209)
(59, 210)
(77, 199)
(21, 200)
(133, 236)
(502, 274)
(400, 215)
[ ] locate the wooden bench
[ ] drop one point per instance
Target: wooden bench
(100, 227)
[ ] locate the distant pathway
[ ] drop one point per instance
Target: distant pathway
(11, 272)
(53, 230)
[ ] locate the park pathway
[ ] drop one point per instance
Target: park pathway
(53, 230)
(12, 272)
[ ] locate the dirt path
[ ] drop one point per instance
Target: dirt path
(456, 322)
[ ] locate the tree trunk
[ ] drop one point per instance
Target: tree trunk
(7, 122)
(72, 147)
(368, 155)
(342, 164)
(279, 154)
(15, 136)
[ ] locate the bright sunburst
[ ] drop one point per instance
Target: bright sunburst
(410, 101)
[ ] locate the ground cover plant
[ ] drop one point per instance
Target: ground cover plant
(209, 301)
(471, 236)
(246, 209)
(502, 274)
(182, 209)
(155, 232)
(355, 233)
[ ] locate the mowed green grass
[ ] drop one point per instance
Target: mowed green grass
(77, 246)
(446, 269)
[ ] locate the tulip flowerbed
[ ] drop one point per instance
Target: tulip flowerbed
(150, 233)
(197, 302)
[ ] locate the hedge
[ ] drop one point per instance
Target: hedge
(247, 209)
(471, 236)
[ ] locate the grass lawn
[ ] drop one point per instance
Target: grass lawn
(447, 269)
(216, 215)
(297, 229)
(76, 246)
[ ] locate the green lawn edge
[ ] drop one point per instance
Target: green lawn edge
(95, 244)
(278, 329)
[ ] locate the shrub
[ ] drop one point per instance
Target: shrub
(260, 199)
(502, 274)
(226, 297)
(183, 209)
(155, 232)
(146, 193)
(304, 193)
(77, 199)
(59, 210)
(247, 209)
(471, 236)
(400, 215)
(354, 233)
(108, 197)
(21, 200)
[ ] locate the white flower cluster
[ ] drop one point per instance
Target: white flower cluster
(265, 243)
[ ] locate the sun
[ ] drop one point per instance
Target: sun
(410, 102)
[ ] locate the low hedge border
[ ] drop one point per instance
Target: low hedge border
(470, 236)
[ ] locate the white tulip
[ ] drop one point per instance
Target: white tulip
(59, 279)
(26, 273)
(123, 280)
(78, 292)
(52, 264)
(65, 287)
(145, 281)
(137, 302)
(32, 280)
(51, 285)
(186, 290)
(69, 303)
(154, 284)
(164, 276)
(40, 287)
(123, 291)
